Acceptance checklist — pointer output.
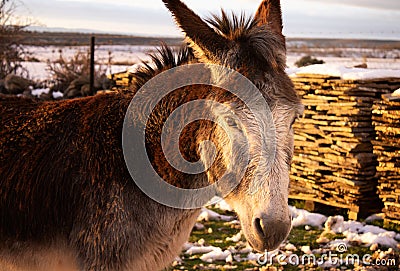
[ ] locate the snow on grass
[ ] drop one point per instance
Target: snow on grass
(357, 232)
(236, 238)
(208, 215)
(209, 253)
(303, 218)
(217, 255)
(354, 231)
(337, 232)
(200, 250)
(306, 249)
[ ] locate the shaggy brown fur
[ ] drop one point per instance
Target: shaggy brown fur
(63, 175)
(165, 58)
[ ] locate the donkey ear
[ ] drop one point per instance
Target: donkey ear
(270, 13)
(203, 39)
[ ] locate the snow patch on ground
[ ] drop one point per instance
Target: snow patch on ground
(359, 233)
(303, 218)
(210, 253)
(338, 70)
(236, 238)
(217, 255)
(199, 250)
(208, 215)
(57, 95)
(38, 92)
(353, 233)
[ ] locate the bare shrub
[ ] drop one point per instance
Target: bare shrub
(307, 61)
(64, 71)
(72, 75)
(11, 50)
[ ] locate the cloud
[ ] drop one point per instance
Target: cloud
(372, 4)
(105, 16)
(74, 10)
(150, 17)
(336, 19)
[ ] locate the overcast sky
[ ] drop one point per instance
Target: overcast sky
(375, 19)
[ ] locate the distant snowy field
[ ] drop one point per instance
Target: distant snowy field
(373, 63)
(119, 53)
(127, 55)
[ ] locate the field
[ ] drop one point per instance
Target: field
(119, 52)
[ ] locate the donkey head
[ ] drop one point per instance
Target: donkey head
(255, 48)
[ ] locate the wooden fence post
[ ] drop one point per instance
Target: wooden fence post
(92, 63)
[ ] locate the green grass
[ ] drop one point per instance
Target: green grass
(301, 237)
(216, 237)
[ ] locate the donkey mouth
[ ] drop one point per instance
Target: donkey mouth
(268, 236)
(262, 246)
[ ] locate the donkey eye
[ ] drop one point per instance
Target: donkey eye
(231, 122)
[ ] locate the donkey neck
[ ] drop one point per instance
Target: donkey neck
(159, 234)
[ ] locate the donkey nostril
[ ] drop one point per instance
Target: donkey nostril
(259, 226)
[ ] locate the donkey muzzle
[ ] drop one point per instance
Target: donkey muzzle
(269, 232)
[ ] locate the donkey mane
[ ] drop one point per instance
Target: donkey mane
(164, 59)
(261, 40)
(233, 27)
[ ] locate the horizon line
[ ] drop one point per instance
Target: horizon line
(301, 35)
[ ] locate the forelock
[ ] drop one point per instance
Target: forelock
(262, 42)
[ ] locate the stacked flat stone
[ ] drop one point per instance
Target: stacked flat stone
(122, 79)
(334, 162)
(386, 118)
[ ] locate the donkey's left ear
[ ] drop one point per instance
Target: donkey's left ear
(202, 38)
(270, 13)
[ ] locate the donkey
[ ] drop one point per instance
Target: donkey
(67, 198)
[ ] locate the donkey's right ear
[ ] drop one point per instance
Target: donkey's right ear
(202, 38)
(270, 13)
